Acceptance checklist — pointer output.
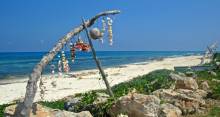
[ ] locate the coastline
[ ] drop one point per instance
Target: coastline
(87, 80)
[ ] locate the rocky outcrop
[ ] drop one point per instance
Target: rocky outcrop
(41, 111)
(136, 105)
(204, 86)
(70, 104)
(184, 99)
(186, 83)
(169, 110)
(187, 100)
(183, 82)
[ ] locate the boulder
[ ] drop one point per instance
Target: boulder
(186, 83)
(183, 82)
(71, 102)
(174, 76)
(136, 105)
(212, 73)
(42, 111)
(190, 74)
(204, 86)
(169, 110)
(187, 100)
(215, 80)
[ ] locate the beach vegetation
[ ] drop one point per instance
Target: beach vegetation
(2, 109)
(211, 79)
(142, 84)
(145, 84)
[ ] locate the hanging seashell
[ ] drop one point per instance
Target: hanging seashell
(52, 67)
(103, 25)
(95, 33)
(65, 62)
(60, 68)
(72, 52)
(66, 66)
(110, 34)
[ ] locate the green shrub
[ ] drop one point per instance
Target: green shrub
(59, 104)
(143, 84)
(214, 86)
(2, 109)
(214, 112)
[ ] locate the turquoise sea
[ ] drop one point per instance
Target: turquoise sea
(20, 64)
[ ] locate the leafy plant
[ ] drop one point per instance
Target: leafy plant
(2, 109)
(143, 84)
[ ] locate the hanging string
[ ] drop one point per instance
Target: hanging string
(110, 34)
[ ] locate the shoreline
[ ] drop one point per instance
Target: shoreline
(22, 78)
(86, 80)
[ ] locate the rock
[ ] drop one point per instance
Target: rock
(201, 93)
(190, 74)
(175, 76)
(187, 100)
(215, 80)
(181, 74)
(136, 105)
(204, 86)
(71, 102)
(169, 110)
(217, 63)
(41, 111)
(198, 94)
(186, 83)
(212, 73)
(101, 98)
(122, 115)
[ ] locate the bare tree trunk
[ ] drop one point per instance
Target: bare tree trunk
(23, 109)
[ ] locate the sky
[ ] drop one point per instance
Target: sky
(142, 25)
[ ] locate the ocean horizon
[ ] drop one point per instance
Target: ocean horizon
(20, 64)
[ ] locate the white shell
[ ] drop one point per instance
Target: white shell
(95, 33)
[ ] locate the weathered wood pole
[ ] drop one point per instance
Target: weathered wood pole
(23, 109)
(98, 64)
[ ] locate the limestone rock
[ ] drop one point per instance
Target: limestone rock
(215, 80)
(212, 73)
(41, 111)
(204, 86)
(190, 74)
(176, 76)
(183, 82)
(71, 102)
(169, 110)
(187, 100)
(136, 105)
(186, 83)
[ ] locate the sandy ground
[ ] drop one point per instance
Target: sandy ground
(86, 80)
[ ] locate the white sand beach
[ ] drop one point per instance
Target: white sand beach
(86, 80)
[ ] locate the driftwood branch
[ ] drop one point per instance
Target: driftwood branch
(23, 109)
